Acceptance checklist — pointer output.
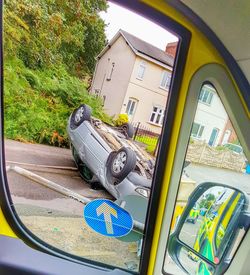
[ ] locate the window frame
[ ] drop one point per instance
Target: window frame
(215, 75)
(128, 108)
(209, 99)
(167, 80)
(184, 36)
(183, 47)
(157, 113)
(199, 135)
(142, 66)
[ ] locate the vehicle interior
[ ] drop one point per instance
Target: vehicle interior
(171, 229)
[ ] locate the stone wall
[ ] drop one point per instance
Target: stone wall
(200, 152)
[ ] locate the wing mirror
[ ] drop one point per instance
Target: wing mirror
(214, 220)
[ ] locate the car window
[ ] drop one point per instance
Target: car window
(213, 227)
(84, 110)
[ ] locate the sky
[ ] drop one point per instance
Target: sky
(117, 18)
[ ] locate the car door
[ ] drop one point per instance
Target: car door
(200, 59)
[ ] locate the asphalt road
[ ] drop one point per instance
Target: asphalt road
(35, 197)
(201, 173)
(24, 190)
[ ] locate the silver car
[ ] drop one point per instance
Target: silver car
(97, 162)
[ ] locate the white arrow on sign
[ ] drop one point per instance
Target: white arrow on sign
(107, 211)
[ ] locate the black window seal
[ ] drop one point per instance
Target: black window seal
(6, 204)
(184, 37)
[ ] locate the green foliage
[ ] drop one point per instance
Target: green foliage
(47, 33)
(150, 143)
(37, 104)
(207, 201)
(49, 52)
(122, 119)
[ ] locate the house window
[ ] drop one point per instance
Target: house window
(206, 94)
(157, 115)
(130, 110)
(197, 130)
(165, 80)
(141, 70)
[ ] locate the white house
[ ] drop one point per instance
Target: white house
(133, 77)
(211, 118)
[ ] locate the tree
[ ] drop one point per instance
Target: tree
(45, 33)
(207, 201)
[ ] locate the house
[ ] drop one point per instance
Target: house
(211, 123)
(133, 77)
(229, 134)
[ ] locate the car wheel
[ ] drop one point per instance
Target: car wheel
(128, 130)
(122, 163)
(82, 113)
(84, 171)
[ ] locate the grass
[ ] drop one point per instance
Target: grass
(150, 142)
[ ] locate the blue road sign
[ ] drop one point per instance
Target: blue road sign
(107, 218)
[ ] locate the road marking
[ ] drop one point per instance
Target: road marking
(43, 166)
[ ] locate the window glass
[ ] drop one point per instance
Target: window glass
(131, 108)
(157, 115)
(141, 70)
(213, 197)
(165, 80)
(197, 130)
(206, 94)
(81, 133)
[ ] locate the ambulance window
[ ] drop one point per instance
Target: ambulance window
(215, 162)
(80, 141)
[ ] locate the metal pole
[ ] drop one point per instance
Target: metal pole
(136, 131)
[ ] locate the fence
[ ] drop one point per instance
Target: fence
(200, 152)
(145, 135)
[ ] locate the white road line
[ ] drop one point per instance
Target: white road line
(44, 166)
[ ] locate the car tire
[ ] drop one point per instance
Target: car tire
(128, 130)
(80, 114)
(122, 163)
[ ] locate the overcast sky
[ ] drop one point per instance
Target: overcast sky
(119, 18)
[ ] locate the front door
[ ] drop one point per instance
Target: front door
(213, 137)
(131, 107)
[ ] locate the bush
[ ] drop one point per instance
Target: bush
(37, 104)
(122, 119)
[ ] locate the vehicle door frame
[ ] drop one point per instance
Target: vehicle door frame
(6, 203)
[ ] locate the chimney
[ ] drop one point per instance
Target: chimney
(171, 48)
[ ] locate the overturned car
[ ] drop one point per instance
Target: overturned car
(103, 155)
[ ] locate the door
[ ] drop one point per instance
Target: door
(131, 108)
(213, 137)
(29, 231)
(226, 137)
